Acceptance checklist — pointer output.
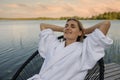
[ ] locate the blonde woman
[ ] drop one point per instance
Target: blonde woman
(73, 57)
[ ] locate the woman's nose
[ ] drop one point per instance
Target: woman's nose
(68, 27)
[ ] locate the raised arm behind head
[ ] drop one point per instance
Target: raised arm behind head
(50, 26)
(103, 26)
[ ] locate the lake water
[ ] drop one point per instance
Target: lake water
(19, 39)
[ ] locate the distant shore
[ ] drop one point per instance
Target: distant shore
(29, 18)
(104, 16)
(53, 19)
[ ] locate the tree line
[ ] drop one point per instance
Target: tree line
(104, 16)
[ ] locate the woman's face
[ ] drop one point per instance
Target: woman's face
(71, 30)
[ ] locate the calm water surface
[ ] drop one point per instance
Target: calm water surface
(19, 39)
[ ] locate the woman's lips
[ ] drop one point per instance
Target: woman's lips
(68, 32)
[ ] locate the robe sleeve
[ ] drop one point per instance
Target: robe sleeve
(47, 40)
(93, 48)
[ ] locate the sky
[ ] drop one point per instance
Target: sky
(56, 8)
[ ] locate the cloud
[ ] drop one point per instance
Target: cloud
(82, 8)
(1, 11)
(16, 5)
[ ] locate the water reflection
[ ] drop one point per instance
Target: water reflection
(19, 35)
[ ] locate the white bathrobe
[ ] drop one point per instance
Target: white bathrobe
(73, 61)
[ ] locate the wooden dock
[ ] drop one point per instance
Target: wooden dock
(112, 71)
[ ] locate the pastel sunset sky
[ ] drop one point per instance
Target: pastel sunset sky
(56, 8)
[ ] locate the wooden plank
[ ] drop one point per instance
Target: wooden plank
(115, 77)
(106, 65)
(111, 66)
(112, 71)
(112, 74)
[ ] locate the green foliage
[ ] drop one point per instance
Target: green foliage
(105, 16)
(109, 15)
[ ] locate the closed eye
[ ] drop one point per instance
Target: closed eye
(66, 25)
(73, 26)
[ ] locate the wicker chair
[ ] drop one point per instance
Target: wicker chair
(33, 65)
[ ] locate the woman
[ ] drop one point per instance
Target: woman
(72, 58)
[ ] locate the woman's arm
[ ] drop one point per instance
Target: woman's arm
(53, 27)
(103, 26)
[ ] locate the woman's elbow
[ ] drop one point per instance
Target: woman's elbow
(105, 27)
(42, 26)
(107, 23)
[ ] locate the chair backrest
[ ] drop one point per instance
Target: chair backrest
(30, 67)
(33, 65)
(97, 72)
